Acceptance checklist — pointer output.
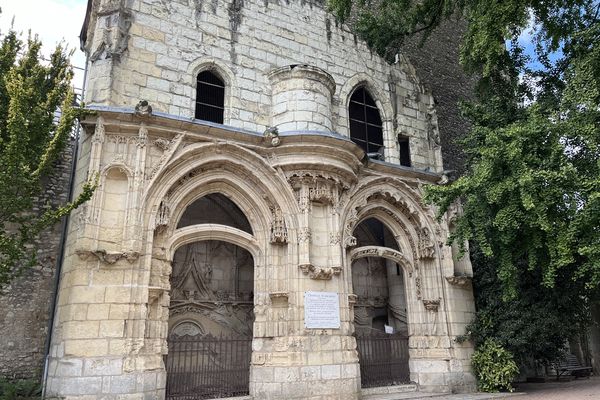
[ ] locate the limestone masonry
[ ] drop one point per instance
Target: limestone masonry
(203, 232)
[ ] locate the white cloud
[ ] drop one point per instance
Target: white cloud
(52, 20)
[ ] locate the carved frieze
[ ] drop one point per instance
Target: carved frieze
(108, 257)
(459, 280)
(320, 273)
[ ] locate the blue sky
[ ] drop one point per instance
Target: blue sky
(52, 20)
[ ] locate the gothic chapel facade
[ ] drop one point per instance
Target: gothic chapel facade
(258, 229)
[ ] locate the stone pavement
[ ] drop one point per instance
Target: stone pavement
(580, 389)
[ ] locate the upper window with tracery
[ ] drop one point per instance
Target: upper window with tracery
(366, 128)
(210, 97)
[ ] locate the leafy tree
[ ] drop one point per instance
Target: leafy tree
(31, 92)
(531, 194)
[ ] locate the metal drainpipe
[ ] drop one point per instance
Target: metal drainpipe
(61, 248)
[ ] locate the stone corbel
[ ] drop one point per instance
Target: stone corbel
(143, 109)
(432, 305)
(108, 257)
(272, 134)
(458, 280)
(154, 293)
(320, 273)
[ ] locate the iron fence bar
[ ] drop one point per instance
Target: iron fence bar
(383, 359)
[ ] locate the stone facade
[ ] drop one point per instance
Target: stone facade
(300, 195)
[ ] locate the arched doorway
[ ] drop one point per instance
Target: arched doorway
(380, 311)
(211, 307)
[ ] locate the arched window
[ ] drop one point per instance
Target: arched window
(210, 97)
(365, 122)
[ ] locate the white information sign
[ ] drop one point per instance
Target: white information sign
(321, 310)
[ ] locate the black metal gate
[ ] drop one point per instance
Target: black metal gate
(207, 367)
(383, 359)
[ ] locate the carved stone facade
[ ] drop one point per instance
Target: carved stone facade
(198, 227)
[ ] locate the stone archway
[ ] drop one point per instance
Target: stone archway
(378, 272)
(212, 289)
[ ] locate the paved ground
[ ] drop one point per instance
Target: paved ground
(579, 389)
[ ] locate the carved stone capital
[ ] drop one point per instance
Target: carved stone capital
(432, 305)
(320, 273)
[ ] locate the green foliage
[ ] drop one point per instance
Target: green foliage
(531, 194)
(19, 389)
(384, 24)
(31, 91)
(494, 367)
(532, 325)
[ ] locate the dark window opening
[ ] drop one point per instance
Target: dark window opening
(210, 97)
(366, 128)
(404, 151)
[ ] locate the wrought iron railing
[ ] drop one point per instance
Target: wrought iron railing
(383, 359)
(207, 367)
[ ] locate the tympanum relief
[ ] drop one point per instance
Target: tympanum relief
(212, 285)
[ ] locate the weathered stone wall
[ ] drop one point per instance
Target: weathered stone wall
(25, 303)
(437, 63)
(157, 48)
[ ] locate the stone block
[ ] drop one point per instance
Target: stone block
(69, 367)
(103, 366)
(123, 384)
(330, 372)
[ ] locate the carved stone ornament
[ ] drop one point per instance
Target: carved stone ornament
(279, 298)
(352, 299)
(349, 238)
(431, 305)
(279, 233)
(163, 216)
(162, 144)
(108, 257)
(320, 273)
(304, 235)
(272, 133)
(143, 109)
(426, 244)
(115, 33)
(461, 280)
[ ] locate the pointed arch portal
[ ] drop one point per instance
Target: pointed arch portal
(211, 301)
(380, 310)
